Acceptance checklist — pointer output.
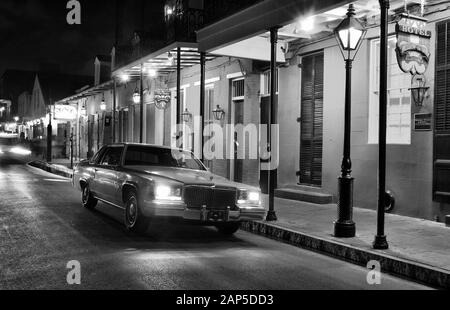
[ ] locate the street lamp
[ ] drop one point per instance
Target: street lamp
(418, 89)
(187, 116)
(136, 96)
(103, 104)
(219, 113)
(349, 34)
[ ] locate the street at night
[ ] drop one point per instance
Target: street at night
(40, 234)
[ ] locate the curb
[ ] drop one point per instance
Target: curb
(415, 271)
(64, 172)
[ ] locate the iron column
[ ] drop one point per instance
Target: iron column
(141, 93)
(271, 215)
(202, 103)
(380, 242)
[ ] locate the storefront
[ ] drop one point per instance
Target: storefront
(310, 97)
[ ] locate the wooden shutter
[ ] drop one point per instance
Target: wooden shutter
(311, 136)
(441, 175)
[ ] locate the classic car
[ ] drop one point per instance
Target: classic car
(149, 182)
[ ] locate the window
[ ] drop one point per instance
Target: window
(238, 89)
(112, 156)
(153, 156)
(209, 103)
(399, 97)
(265, 83)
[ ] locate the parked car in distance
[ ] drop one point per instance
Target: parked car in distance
(148, 182)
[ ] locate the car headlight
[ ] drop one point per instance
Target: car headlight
(20, 151)
(248, 197)
(167, 193)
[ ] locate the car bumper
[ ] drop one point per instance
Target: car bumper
(178, 210)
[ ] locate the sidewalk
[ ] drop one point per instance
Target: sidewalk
(59, 167)
(419, 249)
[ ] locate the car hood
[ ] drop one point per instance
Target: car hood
(187, 176)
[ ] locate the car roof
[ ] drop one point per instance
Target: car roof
(144, 144)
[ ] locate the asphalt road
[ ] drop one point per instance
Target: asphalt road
(43, 227)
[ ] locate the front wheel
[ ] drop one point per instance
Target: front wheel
(228, 228)
(87, 200)
(135, 220)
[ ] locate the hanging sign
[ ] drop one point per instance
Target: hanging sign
(64, 112)
(413, 44)
(162, 97)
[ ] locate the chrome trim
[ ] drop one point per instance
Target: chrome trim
(110, 203)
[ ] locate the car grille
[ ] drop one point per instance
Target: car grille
(217, 198)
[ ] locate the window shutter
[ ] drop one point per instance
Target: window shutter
(441, 175)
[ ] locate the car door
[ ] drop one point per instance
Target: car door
(106, 174)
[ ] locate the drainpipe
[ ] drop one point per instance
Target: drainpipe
(380, 242)
(271, 215)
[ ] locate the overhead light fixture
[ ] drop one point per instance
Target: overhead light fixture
(124, 77)
(307, 24)
(219, 113)
(103, 104)
(170, 58)
(418, 89)
(151, 72)
(136, 95)
(187, 116)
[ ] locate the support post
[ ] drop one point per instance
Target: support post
(141, 93)
(344, 227)
(49, 137)
(271, 215)
(114, 108)
(202, 103)
(380, 242)
(179, 103)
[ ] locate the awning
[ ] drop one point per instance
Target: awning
(258, 19)
(88, 92)
(164, 61)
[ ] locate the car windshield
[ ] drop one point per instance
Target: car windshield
(154, 156)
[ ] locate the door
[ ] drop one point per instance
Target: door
(311, 129)
(238, 164)
(106, 179)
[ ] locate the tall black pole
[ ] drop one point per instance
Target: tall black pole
(344, 227)
(114, 107)
(202, 103)
(49, 136)
(179, 103)
(380, 242)
(271, 215)
(141, 93)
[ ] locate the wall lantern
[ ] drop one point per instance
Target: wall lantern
(219, 113)
(187, 116)
(136, 96)
(16, 119)
(103, 104)
(350, 33)
(418, 89)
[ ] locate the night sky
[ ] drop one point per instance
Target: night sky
(36, 31)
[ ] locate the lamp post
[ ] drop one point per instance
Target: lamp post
(349, 34)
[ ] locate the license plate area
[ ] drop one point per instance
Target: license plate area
(216, 216)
